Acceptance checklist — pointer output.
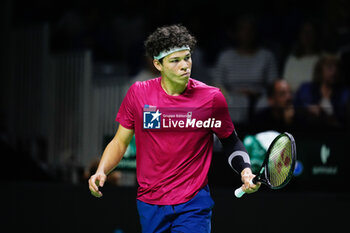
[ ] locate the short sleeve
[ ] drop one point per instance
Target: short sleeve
(126, 113)
(221, 113)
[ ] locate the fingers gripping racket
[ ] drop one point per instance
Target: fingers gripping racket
(278, 166)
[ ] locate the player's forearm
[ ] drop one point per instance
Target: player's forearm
(237, 154)
(111, 156)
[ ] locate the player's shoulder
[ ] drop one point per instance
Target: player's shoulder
(204, 88)
(144, 85)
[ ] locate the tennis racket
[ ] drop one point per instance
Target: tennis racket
(278, 166)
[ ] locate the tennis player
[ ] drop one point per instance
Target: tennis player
(173, 118)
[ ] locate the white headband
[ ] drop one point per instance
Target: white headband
(173, 50)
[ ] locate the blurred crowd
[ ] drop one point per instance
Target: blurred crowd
(277, 62)
(310, 91)
(282, 65)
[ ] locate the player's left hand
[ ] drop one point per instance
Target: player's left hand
(248, 186)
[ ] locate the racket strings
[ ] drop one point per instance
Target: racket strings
(280, 162)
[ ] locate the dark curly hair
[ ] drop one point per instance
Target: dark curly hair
(167, 37)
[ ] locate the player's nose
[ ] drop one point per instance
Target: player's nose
(184, 65)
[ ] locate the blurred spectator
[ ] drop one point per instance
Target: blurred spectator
(300, 63)
(279, 115)
(147, 72)
(244, 71)
(324, 101)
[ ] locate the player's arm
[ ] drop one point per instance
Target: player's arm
(239, 160)
(111, 156)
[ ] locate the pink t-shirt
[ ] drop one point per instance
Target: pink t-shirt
(174, 137)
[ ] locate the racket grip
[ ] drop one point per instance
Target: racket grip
(239, 192)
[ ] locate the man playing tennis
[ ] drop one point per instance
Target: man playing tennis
(173, 118)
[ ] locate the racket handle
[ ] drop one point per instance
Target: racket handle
(239, 192)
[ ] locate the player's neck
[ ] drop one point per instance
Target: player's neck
(171, 87)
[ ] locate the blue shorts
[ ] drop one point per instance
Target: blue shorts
(188, 217)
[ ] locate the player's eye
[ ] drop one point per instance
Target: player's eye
(174, 61)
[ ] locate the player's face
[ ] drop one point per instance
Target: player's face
(177, 67)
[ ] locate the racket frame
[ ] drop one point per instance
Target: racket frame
(263, 175)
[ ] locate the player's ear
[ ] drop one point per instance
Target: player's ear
(157, 64)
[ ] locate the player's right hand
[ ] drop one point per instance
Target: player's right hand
(97, 180)
(247, 178)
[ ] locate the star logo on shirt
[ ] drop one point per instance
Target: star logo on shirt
(151, 117)
(156, 115)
